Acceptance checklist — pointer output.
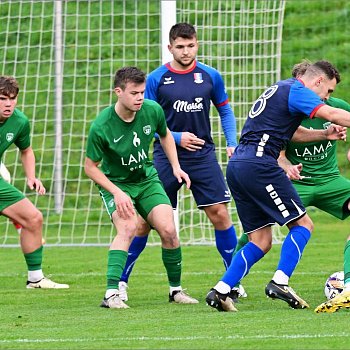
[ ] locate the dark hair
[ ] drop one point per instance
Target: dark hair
(128, 74)
(182, 30)
(8, 86)
(326, 68)
(300, 68)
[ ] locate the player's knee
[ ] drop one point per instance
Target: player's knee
(169, 237)
(143, 229)
(34, 221)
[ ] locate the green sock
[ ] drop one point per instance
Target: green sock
(243, 240)
(172, 261)
(347, 262)
(115, 267)
(34, 259)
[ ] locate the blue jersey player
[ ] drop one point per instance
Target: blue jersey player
(263, 193)
(185, 88)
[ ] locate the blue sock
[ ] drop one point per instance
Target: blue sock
(292, 249)
(137, 245)
(226, 241)
(241, 263)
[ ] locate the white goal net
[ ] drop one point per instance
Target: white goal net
(87, 41)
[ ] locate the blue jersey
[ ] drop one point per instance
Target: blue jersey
(186, 97)
(273, 119)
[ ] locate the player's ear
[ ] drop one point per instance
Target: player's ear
(117, 91)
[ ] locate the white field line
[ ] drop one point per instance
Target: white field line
(187, 273)
(171, 339)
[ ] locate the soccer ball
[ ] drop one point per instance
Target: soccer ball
(334, 284)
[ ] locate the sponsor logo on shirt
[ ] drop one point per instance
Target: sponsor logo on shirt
(185, 106)
(118, 139)
(168, 81)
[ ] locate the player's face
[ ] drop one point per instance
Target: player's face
(7, 106)
(184, 52)
(131, 98)
(324, 87)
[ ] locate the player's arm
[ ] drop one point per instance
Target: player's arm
(122, 201)
(228, 122)
(169, 148)
(292, 171)
(333, 132)
(28, 162)
(334, 115)
(186, 140)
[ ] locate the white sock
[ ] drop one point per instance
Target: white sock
(173, 289)
(222, 287)
(110, 292)
(280, 277)
(35, 276)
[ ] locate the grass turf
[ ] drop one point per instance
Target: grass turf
(73, 319)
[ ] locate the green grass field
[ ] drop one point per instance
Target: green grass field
(70, 319)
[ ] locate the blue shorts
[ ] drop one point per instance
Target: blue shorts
(208, 185)
(263, 195)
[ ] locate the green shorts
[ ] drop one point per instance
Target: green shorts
(145, 195)
(8, 194)
(329, 196)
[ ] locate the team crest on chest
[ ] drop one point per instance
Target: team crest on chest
(147, 129)
(198, 78)
(9, 136)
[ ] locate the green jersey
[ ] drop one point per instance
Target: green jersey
(15, 130)
(318, 158)
(123, 147)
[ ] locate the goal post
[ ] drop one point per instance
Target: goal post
(241, 38)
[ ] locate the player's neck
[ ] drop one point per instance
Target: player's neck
(123, 113)
(179, 67)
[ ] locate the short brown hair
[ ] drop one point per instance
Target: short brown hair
(8, 86)
(128, 74)
(182, 30)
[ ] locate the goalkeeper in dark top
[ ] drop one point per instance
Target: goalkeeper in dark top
(119, 139)
(15, 129)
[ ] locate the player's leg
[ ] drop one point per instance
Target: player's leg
(118, 251)
(139, 242)
(162, 219)
(212, 195)
(254, 221)
(30, 218)
(137, 246)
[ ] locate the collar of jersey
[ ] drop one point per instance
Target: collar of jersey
(181, 71)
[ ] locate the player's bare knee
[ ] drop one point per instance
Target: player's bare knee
(35, 221)
(169, 237)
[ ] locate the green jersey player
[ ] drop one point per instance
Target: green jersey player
(119, 139)
(15, 129)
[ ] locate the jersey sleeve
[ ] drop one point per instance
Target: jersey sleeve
(23, 138)
(219, 95)
(151, 87)
(162, 126)
(303, 100)
(338, 103)
(95, 144)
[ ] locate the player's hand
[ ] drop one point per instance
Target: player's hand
(336, 132)
(36, 184)
(230, 151)
(123, 204)
(191, 142)
(293, 172)
(181, 175)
